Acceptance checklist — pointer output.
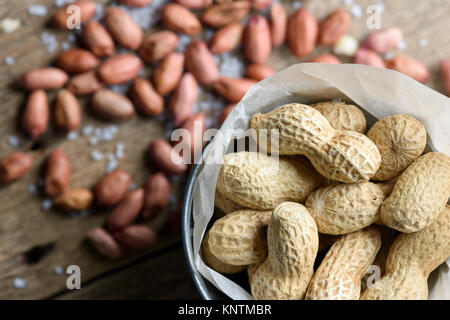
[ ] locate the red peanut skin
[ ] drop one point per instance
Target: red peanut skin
(233, 89)
(156, 195)
(444, 67)
(14, 166)
(97, 39)
(383, 41)
(112, 188)
(259, 72)
(120, 69)
(145, 97)
(183, 99)
(369, 57)
(226, 38)
(333, 27)
(410, 67)
(136, 237)
(136, 3)
(67, 111)
(168, 74)
(127, 211)
(35, 117)
(302, 33)
(123, 29)
(164, 158)
(278, 24)
(104, 243)
(196, 126)
(257, 42)
(178, 18)
(87, 10)
(195, 4)
(260, 4)
(84, 83)
(325, 58)
(43, 79)
(57, 175)
(200, 62)
(158, 45)
(77, 60)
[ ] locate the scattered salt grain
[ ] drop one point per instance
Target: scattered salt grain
(58, 270)
(49, 41)
(119, 151)
(19, 283)
(380, 7)
(62, 3)
(32, 189)
(96, 155)
(423, 42)
(9, 25)
(183, 41)
(208, 34)
(296, 5)
(65, 46)
(348, 2)
(78, 214)
(37, 10)
(46, 204)
(356, 11)
(93, 141)
(73, 135)
(71, 37)
(99, 12)
(148, 16)
(230, 65)
(87, 130)
(111, 165)
(13, 141)
(120, 88)
(389, 55)
(401, 45)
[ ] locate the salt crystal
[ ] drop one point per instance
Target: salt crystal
(96, 155)
(9, 25)
(183, 41)
(71, 37)
(356, 11)
(119, 152)
(389, 55)
(132, 186)
(148, 16)
(19, 283)
(65, 46)
(401, 45)
(348, 2)
(58, 270)
(380, 7)
(62, 3)
(93, 141)
(32, 188)
(46, 204)
(87, 130)
(49, 41)
(110, 166)
(120, 88)
(230, 65)
(296, 5)
(13, 141)
(423, 42)
(37, 10)
(99, 12)
(10, 61)
(208, 34)
(111, 157)
(73, 135)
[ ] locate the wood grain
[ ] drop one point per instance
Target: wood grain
(23, 225)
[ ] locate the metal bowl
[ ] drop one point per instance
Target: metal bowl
(204, 287)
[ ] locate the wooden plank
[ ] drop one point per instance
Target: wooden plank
(23, 225)
(161, 276)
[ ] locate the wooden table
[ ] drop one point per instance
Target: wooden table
(51, 239)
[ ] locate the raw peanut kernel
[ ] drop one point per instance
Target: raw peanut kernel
(195, 4)
(136, 3)
(233, 89)
(200, 62)
(77, 60)
(127, 211)
(123, 29)
(67, 112)
(325, 58)
(333, 27)
(278, 24)
(112, 106)
(444, 67)
(183, 99)
(104, 243)
(257, 43)
(196, 126)
(369, 57)
(112, 188)
(74, 200)
(43, 79)
(227, 38)
(14, 166)
(302, 33)
(120, 69)
(259, 71)
(97, 39)
(35, 117)
(224, 13)
(145, 97)
(156, 196)
(61, 17)
(260, 4)
(157, 46)
(410, 67)
(57, 174)
(164, 158)
(177, 18)
(84, 83)
(136, 237)
(168, 74)
(383, 41)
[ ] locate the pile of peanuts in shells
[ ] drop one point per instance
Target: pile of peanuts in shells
(257, 26)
